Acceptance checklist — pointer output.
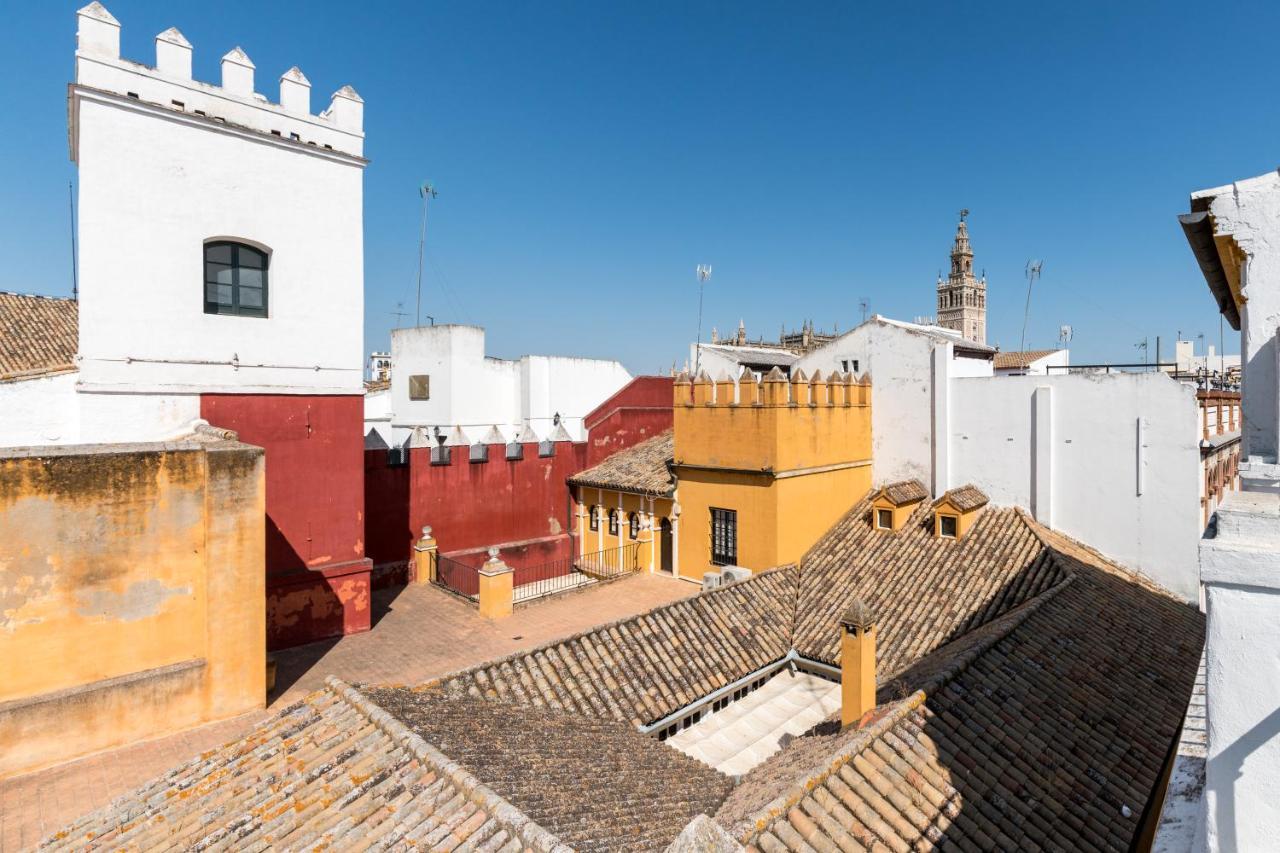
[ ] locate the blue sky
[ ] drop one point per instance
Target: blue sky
(589, 155)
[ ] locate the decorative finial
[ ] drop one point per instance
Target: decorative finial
(493, 552)
(858, 615)
(964, 211)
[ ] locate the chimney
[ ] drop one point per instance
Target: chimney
(173, 54)
(237, 73)
(857, 663)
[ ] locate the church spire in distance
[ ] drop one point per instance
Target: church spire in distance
(962, 299)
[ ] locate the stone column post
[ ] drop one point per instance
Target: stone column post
(497, 592)
(424, 558)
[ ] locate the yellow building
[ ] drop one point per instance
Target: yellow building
(766, 468)
(626, 509)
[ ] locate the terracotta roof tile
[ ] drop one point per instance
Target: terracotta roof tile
(641, 468)
(650, 793)
(964, 498)
(1021, 359)
(37, 333)
(904, 492)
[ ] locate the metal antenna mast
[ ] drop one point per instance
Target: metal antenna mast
(1033, 273)
(427, 191)
(1142, 345)
(863, 303)
(704, 273)
(399, 313)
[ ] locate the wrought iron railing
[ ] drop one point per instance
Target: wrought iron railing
(541, 579)
(457, 576)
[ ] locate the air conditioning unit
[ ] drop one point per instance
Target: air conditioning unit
(710, 580)
(733, 574)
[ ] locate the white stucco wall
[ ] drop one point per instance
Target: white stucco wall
(157, 181)
(1240, 567)
(1248, 213)
(900, 362)
(39, 411)
(1112, 460)
(475, 392)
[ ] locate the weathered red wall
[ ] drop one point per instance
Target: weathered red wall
(388, 536)
(640, 410)
(477, 504)
(317, 573)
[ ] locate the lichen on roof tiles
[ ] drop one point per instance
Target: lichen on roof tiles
(641, 468)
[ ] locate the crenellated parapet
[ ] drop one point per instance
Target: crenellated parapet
(774, 423)
(235, 103)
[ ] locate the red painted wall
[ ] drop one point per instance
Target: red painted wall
(640, 410)
(317, 573)
(478, 504)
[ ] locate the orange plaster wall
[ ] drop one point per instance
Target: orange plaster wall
(131, 590)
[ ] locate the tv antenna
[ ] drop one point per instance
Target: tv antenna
(427, 191)
(704, 273)
(1033, 273)
(1064, 335)
(399, 313)
(1142, 345)
(863, 303)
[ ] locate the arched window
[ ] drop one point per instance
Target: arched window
(613, 522)
(633, 523)
(235, 279)
(595, 517)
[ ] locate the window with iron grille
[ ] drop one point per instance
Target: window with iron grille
(595, 517)
(634, 524)
(724, 537)
(613, 522)
(235, 279)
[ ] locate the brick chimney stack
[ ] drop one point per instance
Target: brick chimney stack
(857, 663)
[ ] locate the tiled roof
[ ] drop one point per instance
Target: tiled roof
(642, 668)
(641, 468)
(372, 385)
(1021, 359)
(905, 492)
(964, 498)
(642, 792)
(37, 333)
(925, 591)
(1051, 735)
(332, 772)
(1029, 694)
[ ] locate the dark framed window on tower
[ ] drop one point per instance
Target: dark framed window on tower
(724, 537)
(235, 279)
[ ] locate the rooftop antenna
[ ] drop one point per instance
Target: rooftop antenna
(399, 313)
(1033, 273)
(704, 273)
(427, 191)
(863, 303)
(1142, 345)
(1064, 335)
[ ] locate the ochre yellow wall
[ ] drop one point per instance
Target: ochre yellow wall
(609, 499)
(131, 595)
(789, 470)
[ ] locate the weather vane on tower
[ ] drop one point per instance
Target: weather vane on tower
(964, 211)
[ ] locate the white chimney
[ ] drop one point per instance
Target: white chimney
(237, 73)
(173, 54)
(295, 91)
(97, 32)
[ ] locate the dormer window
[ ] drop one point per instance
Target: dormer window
(957, 511)
(895, 503)
(235, 279)
(948, 526)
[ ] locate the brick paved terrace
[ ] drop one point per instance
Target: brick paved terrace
(420, 632)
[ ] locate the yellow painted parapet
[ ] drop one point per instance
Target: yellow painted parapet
(769, 463)
(497, 593)
(424, 558)
(773, 425)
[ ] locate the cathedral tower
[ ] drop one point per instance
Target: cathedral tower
(962, 298)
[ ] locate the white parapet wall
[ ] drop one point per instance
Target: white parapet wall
(442, 378)
(1112, 460)
(168, 164)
